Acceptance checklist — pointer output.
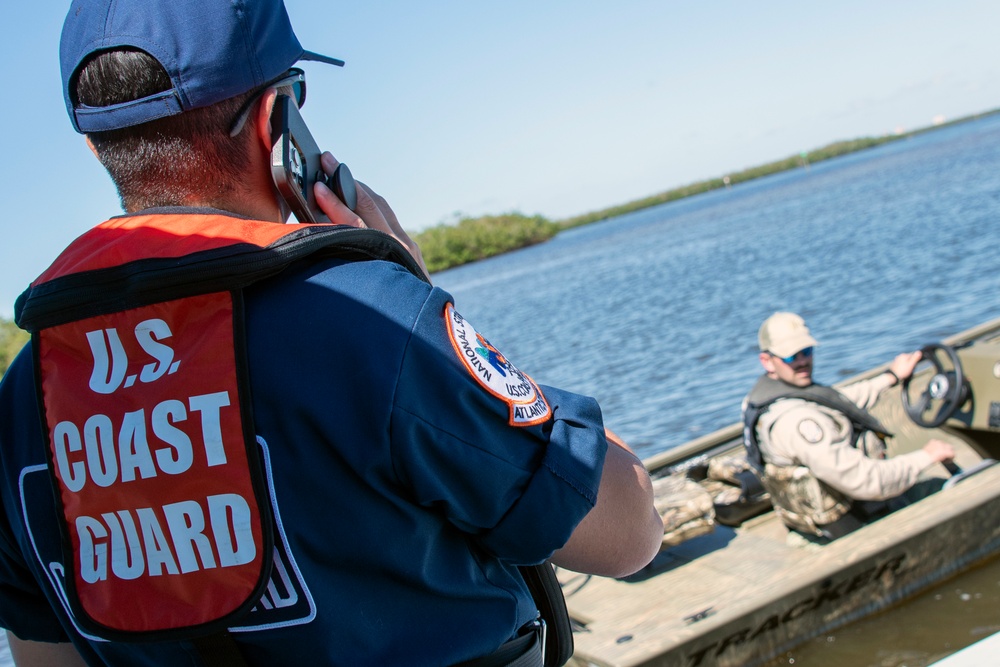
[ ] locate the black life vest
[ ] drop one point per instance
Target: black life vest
(768, 390)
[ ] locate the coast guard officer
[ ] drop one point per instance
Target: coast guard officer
(236, 441)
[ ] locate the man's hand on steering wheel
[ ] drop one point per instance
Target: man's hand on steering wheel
(902, 366)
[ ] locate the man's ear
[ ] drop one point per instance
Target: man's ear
(767, 362)
(90, 144)
(263, 118)
(262, 126)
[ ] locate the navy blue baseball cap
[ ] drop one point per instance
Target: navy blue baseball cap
(212, 50)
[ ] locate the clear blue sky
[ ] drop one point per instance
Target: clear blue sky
(554, 107)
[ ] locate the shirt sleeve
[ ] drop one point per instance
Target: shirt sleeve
(865, 393)
(823, 445)
(516, 469)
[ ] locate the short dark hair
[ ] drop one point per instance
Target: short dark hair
(166, 161)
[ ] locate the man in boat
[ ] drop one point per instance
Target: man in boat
(233, 441)
(819, 452)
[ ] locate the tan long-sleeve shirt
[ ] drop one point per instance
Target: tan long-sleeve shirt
(797, 432)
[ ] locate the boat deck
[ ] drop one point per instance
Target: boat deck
(736, 597)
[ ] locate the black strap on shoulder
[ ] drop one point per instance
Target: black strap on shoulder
(768, 390)
(151, 280)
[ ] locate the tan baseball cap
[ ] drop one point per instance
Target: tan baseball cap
(784, 334)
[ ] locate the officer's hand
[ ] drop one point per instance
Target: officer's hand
(902, 366)
(373, 212)
(940, 450)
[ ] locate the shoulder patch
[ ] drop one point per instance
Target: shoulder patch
(495, 373)
(811, 431)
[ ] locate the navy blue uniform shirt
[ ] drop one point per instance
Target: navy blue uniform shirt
(407, 488)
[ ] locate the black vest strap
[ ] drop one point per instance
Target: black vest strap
(151, 280)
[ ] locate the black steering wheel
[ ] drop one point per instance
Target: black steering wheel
(947, 391)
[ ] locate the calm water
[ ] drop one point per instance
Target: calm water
(656, 315)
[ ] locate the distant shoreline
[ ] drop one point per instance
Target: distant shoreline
(449, 245)
(832, 150)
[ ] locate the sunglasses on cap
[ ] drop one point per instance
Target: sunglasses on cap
(293, 78)
(805, 352)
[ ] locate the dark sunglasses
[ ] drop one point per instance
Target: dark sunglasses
(806, 352)
(294, 78)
